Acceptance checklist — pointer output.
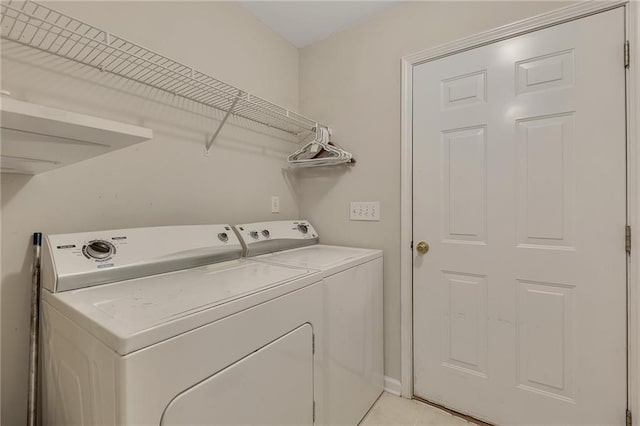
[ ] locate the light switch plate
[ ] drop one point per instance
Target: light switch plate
(365, 210)
(275, 204)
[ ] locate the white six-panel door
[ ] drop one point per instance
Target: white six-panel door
(519, 190)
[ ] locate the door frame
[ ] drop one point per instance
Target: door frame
(555, 17)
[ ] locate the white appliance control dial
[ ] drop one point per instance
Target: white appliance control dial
(303, 228)
(99, 249)
(254, 234)
(223, 237)
(266, 233)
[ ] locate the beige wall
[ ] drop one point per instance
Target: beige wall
(167, 180)
(352, 81)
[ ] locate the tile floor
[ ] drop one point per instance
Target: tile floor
(391, 410)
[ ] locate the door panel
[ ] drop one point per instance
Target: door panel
(519, 189)
(464, 167)
(546, 178)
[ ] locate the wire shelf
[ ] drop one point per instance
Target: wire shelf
(38, 26)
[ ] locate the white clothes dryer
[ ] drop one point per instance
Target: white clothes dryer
(352, 310)
(169, 326)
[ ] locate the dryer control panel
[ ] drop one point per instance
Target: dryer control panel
(72, 261)
(266, 237)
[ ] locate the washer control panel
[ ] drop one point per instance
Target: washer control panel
(79, 260)
(266, 237)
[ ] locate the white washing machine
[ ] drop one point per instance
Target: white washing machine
(352, 310)
(169, 326)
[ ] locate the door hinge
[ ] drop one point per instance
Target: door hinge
(314, 411)
(627, 238)
(627, 54)
(411, 244)
(628, 417)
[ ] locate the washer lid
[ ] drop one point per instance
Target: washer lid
(328, 259)
(130, 315)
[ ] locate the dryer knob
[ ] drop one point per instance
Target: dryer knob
(303, 228)
(266, 233)
(254, 234)
(223, 237)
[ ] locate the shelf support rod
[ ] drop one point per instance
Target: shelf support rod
(224, 120)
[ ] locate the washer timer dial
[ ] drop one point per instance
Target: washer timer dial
(99, 249)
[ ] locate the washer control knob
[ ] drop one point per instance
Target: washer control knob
(254, 234)
(303, 228)
(266, 233)
(99, 249)
(223, 237)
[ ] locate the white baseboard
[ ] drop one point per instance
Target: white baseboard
(392, 386)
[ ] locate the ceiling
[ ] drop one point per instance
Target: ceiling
(305, 22)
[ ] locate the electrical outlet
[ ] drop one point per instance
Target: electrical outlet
(275, 204)
(365, 210)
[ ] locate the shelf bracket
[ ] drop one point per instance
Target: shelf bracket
(224, 120)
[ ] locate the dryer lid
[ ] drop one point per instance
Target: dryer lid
(133, 314)
(323, 257)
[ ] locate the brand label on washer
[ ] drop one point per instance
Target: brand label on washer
(104, 265)
(68, 246)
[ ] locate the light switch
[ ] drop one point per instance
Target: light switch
(365, 210)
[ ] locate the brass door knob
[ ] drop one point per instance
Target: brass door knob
(422, 247)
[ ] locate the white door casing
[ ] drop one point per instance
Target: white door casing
(519, 188)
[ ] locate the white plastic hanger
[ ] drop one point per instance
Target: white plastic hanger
(320, 152)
